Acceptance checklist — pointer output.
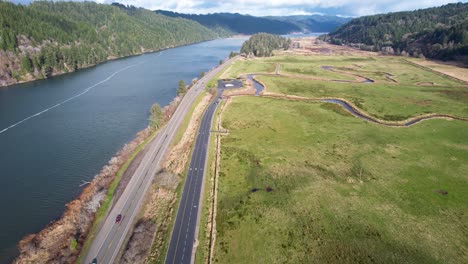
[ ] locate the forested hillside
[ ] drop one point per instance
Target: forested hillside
(263, 44)
(314, 23)
(47, 38)
(237, 23)
(440, 32)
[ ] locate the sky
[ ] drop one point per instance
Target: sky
(350, 8)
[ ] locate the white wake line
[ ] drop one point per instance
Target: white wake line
(71, 98)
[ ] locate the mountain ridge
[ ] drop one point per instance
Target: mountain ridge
(437, 32)
(314, 23)
(236, 23)
(247, 24)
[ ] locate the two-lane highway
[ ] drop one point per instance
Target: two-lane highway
(111, 236)
(183, 234)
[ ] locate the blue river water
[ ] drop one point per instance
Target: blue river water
(58, 132)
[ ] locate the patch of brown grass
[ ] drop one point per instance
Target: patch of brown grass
(310, 46)
(451, 68)
(146, 242)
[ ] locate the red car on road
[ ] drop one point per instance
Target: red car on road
(118, 219)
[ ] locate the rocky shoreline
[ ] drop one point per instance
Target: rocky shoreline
(61, 241)
(53, 243)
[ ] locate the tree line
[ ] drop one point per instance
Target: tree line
(263, 44)
(50, 37)
(232, 23)
(440, 32)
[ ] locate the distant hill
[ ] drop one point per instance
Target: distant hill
(439, 32)
(48, 38)
(314, 23)
(228, 23)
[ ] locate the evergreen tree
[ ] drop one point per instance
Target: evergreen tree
(26, 63)
(156, 116)
(232, 54)
(439, 32)
(70, 35)
(182, 88)
(7, 39)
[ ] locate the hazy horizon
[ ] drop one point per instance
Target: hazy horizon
(345, 8)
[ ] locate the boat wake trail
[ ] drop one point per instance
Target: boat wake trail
(71, 98)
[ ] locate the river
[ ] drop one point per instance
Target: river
(56, 133)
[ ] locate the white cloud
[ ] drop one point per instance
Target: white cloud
(283, 7)
(412, 5)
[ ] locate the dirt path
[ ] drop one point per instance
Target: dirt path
(352, 109)
(358, 78)
(450, 70)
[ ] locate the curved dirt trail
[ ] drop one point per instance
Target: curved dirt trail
(350, 108)
(358, 78)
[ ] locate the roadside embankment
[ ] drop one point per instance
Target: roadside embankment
(62, 240)
(54, 243)
(207, 235)
(147, 242)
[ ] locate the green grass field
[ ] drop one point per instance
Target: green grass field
(308, 183)
(312, 70)
(385, 101)
(371, 67)
(249, 66)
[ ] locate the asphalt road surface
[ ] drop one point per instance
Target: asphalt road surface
(185, 228)
(111, 236)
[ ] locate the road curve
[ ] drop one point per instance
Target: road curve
(111, 236)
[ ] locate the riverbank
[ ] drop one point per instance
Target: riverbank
(78, 224)
(37, 75)
(73, 141)
(63, 240)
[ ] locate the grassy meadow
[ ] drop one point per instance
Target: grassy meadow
(308, 183)
(385, 101)
(375, 67)
(249, 66)
(401, 90)
(305, 182)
